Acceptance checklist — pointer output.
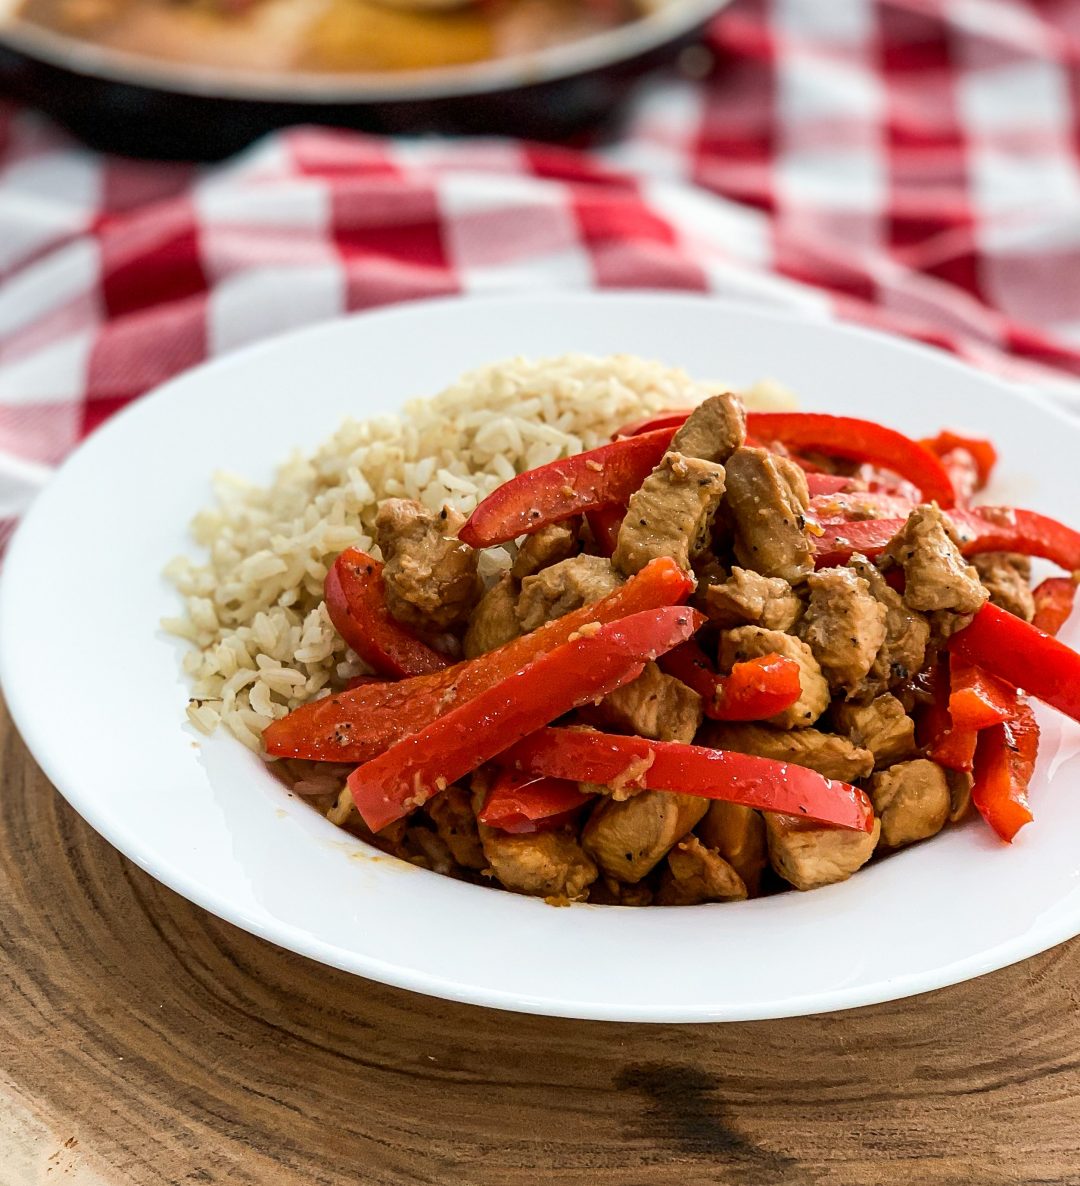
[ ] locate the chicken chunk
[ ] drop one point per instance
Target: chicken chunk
(430, 576)
(697, 874)
(747, 598)
(629, 838)
(912, 801)
(563, 587)
(494, 621)
(552, 543)
(766, 499)
(1006, 576)
(937, 577)
(737, 833)
(831, 755)
(907, 635)
(543, 864)
(960, 784)
(750, 642)
(606, 891)
(844, 626)
(809, 856)
(671, 514)
(654, 705)
(452, 814)
(882, 727)
(713, 430)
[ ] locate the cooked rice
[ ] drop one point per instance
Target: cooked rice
(253, 608)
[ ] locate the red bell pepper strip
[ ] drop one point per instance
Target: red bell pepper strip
(601, 477)
(949, 747)
(858, 440)
(988, 529)
(1004, 764)
(527, 802)
(636, 762)
(978, 700)
(858, 506)
(604, 523)
(583, 669)
(1023, 656)
(355, 725)
(819, 484)
(673, 418)
(356, 603)
(1054, 600)
(981, 452)
(754, 691)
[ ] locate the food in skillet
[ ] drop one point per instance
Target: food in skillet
(333, 36)
(717, 655)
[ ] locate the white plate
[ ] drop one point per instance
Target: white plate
(96, 691)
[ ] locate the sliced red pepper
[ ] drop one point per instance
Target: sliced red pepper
(356, 602)
(1004, 764)
(583, 669)
(981, 451)
(858, 440)
(754, 691)
(636, 762)
(858, 506)
(1054, 600)
(604, 523)
(355, 725)
(601, 477)
(1022, 656)
(949, 747)
(528, 802)
(977, 699)
(672, 418)
(988, 529)
(819, 484)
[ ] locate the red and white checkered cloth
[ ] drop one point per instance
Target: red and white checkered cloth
(909, 164)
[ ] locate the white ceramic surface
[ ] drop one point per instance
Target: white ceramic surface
(95, 688)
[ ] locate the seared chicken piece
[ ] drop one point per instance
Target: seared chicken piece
(552, 543)
(563, 587)
(696, 874)
(829, 754)
(906, 634)
(671, 514)
(452, 814)
(937, 577)
(767, 499)
(750, 642)
(844, 625)
(1006, 576)
(748, 599)
(608, 892)
(494, 621)
(654, 705)
(629, 838)
(737, 833)
(544, 864)
(912, 800)
(808, 855)
(430, 576)
(882, 726)
(713, 430)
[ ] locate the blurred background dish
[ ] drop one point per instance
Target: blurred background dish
(202, 78)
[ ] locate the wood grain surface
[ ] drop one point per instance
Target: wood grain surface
(142, 1041)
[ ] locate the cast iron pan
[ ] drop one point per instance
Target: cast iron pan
(143, 107)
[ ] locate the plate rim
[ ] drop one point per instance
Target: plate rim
(1038, 938)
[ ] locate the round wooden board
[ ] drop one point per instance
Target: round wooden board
(144, 1041)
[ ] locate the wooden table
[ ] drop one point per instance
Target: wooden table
(143, 1041)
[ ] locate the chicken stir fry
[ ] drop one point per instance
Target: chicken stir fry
(714, 665)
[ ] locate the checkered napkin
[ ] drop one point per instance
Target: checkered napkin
(913, 166)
